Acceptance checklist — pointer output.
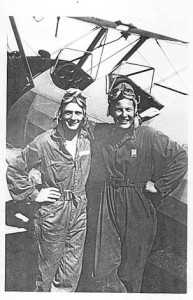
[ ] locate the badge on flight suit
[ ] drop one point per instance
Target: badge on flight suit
(133, 152)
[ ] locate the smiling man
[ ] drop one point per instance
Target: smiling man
(62, 155)
(122, 110)
(134, 164)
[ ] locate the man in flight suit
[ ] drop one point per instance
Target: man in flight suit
(133, 164)
(62, 155)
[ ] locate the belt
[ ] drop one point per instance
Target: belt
(54, 207)
(119, 182)
(68, 195)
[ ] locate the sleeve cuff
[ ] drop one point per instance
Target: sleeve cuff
(159, 188)
(32, 197)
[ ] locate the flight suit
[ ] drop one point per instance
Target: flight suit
(127, 222)
(60, 227)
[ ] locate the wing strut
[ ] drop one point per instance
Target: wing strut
(132, 51)
(91, 47)
(21, 50)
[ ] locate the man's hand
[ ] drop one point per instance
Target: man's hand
(150, 187)
(48, 194)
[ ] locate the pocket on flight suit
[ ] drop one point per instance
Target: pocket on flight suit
(58, 171)
(50, 228)
(52, 216)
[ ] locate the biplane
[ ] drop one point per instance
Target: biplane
(35, 86)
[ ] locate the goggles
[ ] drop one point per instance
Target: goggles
(74, 95)
(120, 93)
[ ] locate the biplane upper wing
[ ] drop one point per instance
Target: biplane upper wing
(130, 29)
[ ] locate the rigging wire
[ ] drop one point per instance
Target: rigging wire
(101, 45)
(104, 38)
(113, 54)
(161, 79)
(148, 63)
(172, 75)
(75, 40)
(171, 65)
(168, 77)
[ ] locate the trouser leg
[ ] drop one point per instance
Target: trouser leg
(109, 283)
(125, 235)
(107, 253)
(69, 270)
(49, 256)
(136, 248)
(51, 231)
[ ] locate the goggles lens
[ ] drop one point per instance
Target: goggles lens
(71, 95)
(117, 94)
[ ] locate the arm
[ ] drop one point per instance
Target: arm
(170, 163)
(19, 186)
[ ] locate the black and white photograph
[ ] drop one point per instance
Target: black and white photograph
(97, 143)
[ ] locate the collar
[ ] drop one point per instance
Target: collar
(118, 137)
(125, 133)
